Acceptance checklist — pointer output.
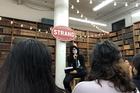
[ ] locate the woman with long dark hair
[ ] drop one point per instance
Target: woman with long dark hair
(27, 69)
(109, 73)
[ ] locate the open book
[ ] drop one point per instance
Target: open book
(68, 69)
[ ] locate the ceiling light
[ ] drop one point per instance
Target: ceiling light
(126, 4)
(21, 25)
(72, 7)
(137, 4)
(137, 14)
(87, 21)
(115, 4)
(78, 12)
(90, 2)
(103, 4)
(81, 15)
(77, 1)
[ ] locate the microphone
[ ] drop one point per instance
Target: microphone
(75, 56)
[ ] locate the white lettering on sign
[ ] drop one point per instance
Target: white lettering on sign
(63, 33)
(55, 32)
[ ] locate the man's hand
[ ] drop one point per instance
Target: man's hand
(73, 72)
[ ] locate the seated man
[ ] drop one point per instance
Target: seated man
(75, 68)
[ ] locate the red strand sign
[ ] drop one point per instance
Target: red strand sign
(63, 33)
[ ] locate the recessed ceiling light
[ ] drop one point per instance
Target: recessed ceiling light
(90, 2)
(115, 4)
(126, 4)
(78, 1)
(81, 15)
(78, 12)
(137, 5)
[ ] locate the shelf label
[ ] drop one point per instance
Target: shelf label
(63, 33)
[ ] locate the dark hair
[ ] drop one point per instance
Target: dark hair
(105, 66)
(27, 69)
(136, 63)
(71, 49)
(71, 52)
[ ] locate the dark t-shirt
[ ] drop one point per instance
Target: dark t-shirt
(76, 63)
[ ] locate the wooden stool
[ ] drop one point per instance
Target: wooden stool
(74, 82)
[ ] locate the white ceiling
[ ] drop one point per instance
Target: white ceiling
(106, 14)
(84, 7)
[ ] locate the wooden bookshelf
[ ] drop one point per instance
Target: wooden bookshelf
(81, 41)
(86, 41)
(128, 48)
(136, 37)
(116, 37)
(124, 39)
(15, 30)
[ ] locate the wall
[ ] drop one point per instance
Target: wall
(82, 26)
(129, 20)
(9, 8)
(135, 19)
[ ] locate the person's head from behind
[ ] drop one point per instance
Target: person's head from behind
(107, 64)
(27, 69)
(136, 63)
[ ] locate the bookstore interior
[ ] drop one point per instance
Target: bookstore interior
(91, 21)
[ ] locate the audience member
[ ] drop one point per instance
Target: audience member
(28, 69)
(136, 64)
(108, 74)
